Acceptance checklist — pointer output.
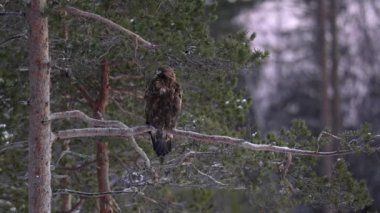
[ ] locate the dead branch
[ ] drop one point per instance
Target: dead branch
(77, 168)
(82, 116)
(77, 206)
(101, 123)
(84, 92)
(14, 145)
(210, 177)
(127, 77)
(12, 13)
(110, 129)
(107, 22)
(95, 194)
(328, 134)
(96, 132)
(248, 145)
(21, 35)
(138, 94)
(68, 152)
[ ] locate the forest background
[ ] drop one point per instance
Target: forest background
(247, 68)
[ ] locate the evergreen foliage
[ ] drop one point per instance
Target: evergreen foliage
(208, 70)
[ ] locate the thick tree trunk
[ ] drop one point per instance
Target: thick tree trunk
(326, 120)
(335, 104)
(39, 176)
(326, 110)
(325, 77)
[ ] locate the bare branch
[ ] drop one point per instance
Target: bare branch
(328, 134)
(176, 162)
(77, 206)
(12, 13)
(148, 198)
(137, 93)
(95, 132)
(82, 116)
(207, 186)
(107, 22)
(100, 123)
(77, 168)
(126, 76)
(127, 132)
(110, 129)
(21, 35)
(209, 176)
(95, 194)
(68, 152)
(14, 145)
(85, 94)
(248, 145)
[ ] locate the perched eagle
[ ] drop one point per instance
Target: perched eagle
(163, 98)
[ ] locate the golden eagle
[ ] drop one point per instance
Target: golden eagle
(163, 98)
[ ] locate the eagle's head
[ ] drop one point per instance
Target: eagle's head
(165, 71)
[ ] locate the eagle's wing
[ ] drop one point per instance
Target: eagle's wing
(152, 100)
(177, 102)
(154, 115)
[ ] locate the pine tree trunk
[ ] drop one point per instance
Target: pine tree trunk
(105, 202)
(325, 77)
(335, 104)
(326, 111)
(39, 176)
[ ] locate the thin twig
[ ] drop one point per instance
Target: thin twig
(128, 77)
(329, 134)
(86, 95)
(14, 145)
(67, 152)
(209, 176)
(13, 38)
(12, 13)
(176, 162)
(77, 206)
(148, 198)
(80, 167)
(107, 22)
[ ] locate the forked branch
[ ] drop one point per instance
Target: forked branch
(99, 123)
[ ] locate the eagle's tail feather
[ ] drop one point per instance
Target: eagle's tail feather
(161, 144)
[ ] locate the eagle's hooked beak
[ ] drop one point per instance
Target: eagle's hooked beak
(158, 71)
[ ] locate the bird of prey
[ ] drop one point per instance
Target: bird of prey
(163, 100)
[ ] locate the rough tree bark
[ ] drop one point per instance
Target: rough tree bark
(98, 107)
(39, 175)
(102, 161)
